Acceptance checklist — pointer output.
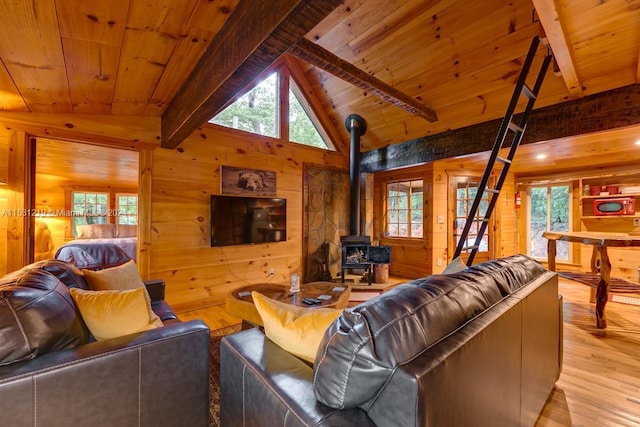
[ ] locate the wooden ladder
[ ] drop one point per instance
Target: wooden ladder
(507, 125)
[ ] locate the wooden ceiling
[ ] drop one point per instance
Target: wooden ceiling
(458, 59)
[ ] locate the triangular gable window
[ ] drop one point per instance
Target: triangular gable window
(257, 111)
(301, 128)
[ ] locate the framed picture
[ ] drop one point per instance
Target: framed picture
(243, 181)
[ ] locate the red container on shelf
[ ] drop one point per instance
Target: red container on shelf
(595, 190)
(613, 189)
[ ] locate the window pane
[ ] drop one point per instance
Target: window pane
(254, 112)
(301, 128)
(538, 225)
(404, 209)
(549, 210)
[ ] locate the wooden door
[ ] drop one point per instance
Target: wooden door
(462, 192)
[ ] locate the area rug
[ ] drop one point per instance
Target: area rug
(592, 280)
(214, 372)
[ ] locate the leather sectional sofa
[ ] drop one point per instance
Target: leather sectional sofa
(480, 347)
(52, 373)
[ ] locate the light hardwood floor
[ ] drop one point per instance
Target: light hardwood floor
(600, 381)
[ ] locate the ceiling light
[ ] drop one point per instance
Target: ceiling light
(638, 142)
(541, 156)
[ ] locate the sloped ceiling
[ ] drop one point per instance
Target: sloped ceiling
(458, 58)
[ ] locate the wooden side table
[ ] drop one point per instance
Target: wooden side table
(240, 304)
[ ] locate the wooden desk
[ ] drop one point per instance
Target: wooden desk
(600, 243)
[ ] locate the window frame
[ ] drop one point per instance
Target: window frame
(529, 236)
(410, 210)
(286, 69)
(70, 232)
(119, 212)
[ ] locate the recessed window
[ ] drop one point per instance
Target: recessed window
(404, 209)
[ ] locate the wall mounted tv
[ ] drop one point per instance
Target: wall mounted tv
(237, 220)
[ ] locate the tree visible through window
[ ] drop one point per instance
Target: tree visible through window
(89, 208)
(127, 205)
(255, 111)
(548, 211)
(404, 216)
(258, 112)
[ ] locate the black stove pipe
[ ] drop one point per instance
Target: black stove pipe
(356, 127)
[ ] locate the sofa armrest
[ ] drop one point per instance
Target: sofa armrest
(264, 385)
(155, 288)
(158, 377)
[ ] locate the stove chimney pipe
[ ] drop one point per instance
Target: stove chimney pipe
(356, 127)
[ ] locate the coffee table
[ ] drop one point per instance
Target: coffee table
(240, 304)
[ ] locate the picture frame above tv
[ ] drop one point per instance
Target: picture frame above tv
(245, 220)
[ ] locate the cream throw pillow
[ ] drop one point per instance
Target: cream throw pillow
(111, 314)
(123, 277)
(297, 330)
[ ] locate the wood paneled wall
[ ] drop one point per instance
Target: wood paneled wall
(182, 181)
(431, 254)
(4, 194)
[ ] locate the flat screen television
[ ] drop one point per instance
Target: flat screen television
(244, 220)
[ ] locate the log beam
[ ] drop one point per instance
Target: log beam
(603, 111)
(252, 39)
(555, 30)
(327, 61)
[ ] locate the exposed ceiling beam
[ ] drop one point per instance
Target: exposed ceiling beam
(595, 113)
(253, 37)
(135, 132)
(327, 61)
(555, 30)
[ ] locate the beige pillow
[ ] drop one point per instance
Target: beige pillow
(111, 314)
(455, 266)
(297, 330)
(96, 231)
(120, 278)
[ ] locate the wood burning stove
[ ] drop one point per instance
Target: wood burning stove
(357, 253)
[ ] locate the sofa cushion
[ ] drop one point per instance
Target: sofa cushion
(297, 330)
(37, 316)
(111, 314)
(64, 271)
(364, 346)
(120, 278)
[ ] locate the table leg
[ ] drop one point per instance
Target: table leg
(551, 254)
(602, 294)
(595, 256)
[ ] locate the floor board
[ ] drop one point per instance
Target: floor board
(600, 380)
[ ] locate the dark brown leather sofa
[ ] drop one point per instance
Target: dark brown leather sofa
(481, 347)
(52, 372)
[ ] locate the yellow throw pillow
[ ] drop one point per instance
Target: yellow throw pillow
(123, 277)
(297, 330)
(110, 314)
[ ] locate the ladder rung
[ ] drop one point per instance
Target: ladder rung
(474, 247)
(526, 90)
(485, 219)
(514, 127)
(492, 190)
(503, 160)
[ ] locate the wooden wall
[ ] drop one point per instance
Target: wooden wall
(196, 274)
(4, 155)
(624, 261)
(431, 254)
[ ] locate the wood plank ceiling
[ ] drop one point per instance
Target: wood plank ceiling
(458, 59)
